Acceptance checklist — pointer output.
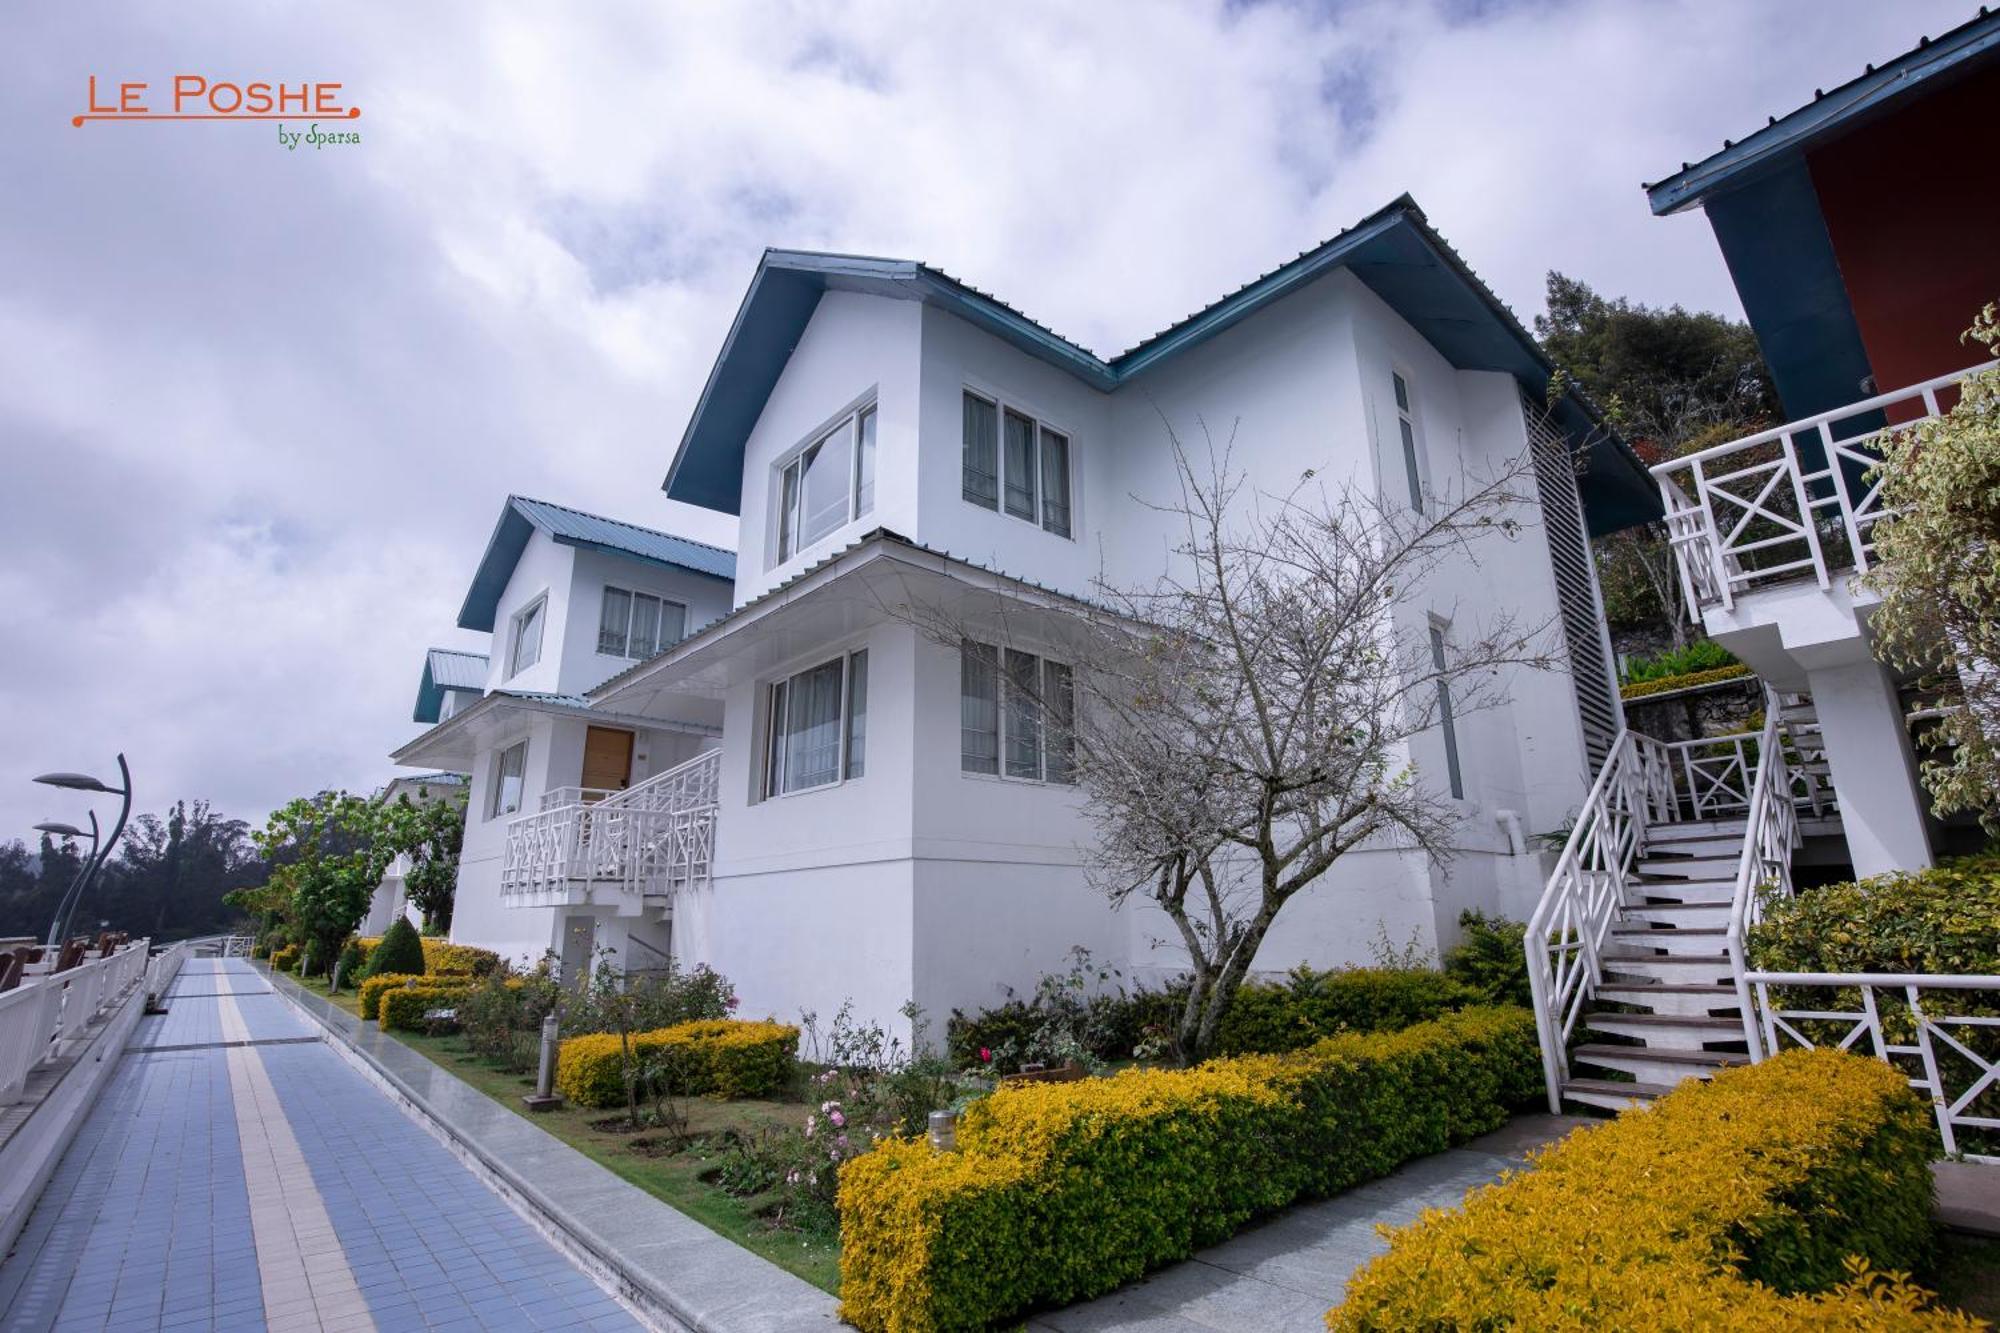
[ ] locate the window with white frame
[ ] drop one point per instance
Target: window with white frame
(817, 725)
(526, 649)
(638, 624)
(1406, 427)
(1446, 724)
(1016, 464)
(510, 768)
(1016, 714)
(828, 483)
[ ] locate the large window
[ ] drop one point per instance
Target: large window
(526, 649)
(509, 769)
(1015, 714)
(638, 624)
(1015, 463)
(826, 484)
(1445, 720)
(818, 726)
(1406, 427)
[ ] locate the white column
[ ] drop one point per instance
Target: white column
(1882, 805)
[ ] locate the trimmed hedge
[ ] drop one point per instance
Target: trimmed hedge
(726, 1058)
(1666, 684)
(1062, 1191)
(372, 989)
(1730, 1204)
(1945, 919)
(403, 1008)
(285, 959)
(442, 958)
(397, 951)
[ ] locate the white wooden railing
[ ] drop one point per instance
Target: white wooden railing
(165, 966)
(1765, 867)
(1749, 513)
(651, 839)
(1932, 1044)
(44, 1017)
(1565, 935)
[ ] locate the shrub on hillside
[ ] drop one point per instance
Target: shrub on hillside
(400, 951)
(1946, 919)
(1272, 1017)
(1785, 1195)
(1491, 959)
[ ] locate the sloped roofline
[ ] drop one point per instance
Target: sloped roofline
(1394, 250)
(430, 689)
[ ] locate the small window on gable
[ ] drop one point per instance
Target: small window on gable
(526, 649)
(827, 484)
(638, 624)
(1406, 428)
(1016, 464)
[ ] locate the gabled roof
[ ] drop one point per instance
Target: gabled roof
(1829, 114)
(447, 669)
(1393, 250)
(522, 517)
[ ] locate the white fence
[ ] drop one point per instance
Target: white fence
(1925, 1039)
(1751, 513)
(46, 1014)
(651, 839)
(164, 967)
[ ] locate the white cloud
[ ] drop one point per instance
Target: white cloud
(260, 408)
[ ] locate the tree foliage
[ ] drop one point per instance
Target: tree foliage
(325, 852)
(429, 832)
(1938, 570)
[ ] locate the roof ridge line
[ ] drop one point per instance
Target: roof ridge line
(622, 522)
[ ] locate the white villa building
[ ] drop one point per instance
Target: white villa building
(874, 816)
(570, 599)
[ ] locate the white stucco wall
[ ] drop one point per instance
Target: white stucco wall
(583, 668)
(544, 569)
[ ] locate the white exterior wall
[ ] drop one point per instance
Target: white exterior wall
(478, 916)
(854, 348)
(545, 567)
(583, 668)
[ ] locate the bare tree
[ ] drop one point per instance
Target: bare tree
(1244, 722)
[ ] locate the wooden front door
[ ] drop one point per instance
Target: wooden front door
(607, 758)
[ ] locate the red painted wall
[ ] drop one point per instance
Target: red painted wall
(1912, 203)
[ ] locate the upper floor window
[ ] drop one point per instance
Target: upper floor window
(1014, 462)
(638, 624)
(526, 649)
(1406, 426)
(1446, 723)
(826, 484)
(1015, 714)
(818, 726)
(510, 768)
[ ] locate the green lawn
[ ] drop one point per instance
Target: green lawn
(675, 1178)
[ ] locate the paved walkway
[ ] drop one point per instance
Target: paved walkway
(1287, 1273)
(238, 1174)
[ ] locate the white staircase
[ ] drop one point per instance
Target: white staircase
(1636, 952)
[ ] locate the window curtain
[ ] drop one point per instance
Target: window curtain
(857, 714)
(611, 622)
(1020, 475)
(982, 453)
(1055, 483)
(1024, 716)
(812, 728)
(645, 625)
(1059, 700)
(673, 623)
(979, 708)
(824, 488)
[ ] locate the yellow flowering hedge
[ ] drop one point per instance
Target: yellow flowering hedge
(1794, 1194)
(442, 958)
(723, 1057)
(1062, 1191)
(1639, 689)
(285, 959)
(372, 989)
(404, 1007)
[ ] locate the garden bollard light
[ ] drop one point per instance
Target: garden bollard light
(333, 987)
(545, 1097)
(944, 1131)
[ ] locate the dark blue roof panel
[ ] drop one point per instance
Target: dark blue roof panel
(447, 669)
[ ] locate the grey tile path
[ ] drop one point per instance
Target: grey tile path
(233, 1177)
(1287, 1273)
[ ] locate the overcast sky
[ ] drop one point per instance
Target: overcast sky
(259, 408)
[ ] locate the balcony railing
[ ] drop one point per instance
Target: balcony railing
(1788, 503)
(650, 840)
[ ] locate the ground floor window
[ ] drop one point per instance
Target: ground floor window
(510, 768)
(818, 725)
(1015, 714)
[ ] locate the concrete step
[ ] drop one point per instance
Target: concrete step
(1697, 828)
(1684, 970)
(1657, 1064)
(1719, 865)
(1677, 914)
(1686, 890)
(1611, 1095)
(1678, 1031)
(1640, 941)
(1715, 844)
(1679, 999)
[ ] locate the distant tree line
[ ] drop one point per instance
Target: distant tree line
(166, 879)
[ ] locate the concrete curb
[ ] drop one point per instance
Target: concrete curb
(674, 1270)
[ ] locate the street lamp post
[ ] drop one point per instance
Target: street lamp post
(61, 830)
(59, 928)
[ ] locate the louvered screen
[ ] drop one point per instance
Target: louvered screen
(1569, 549)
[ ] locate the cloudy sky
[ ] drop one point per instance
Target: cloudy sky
(259, 408)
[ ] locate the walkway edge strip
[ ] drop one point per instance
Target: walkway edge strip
(592, 1251)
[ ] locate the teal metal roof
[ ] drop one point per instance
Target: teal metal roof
(447, 669)
(1828, 115)
(522, 517)
(1393, 250)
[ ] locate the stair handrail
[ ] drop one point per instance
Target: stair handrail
(1769, 836)
(1565, 935)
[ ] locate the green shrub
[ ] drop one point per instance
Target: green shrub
(401, 951)
(1491, 959)
(285, 959)
(352, 959)
(1728, 1204)
(374, 987)
(402, 1008)
(1269, 1018)
(1946, 919)
(1668, 684)
(1061, 1191)
(719, 1058)
(1699, 656)
(316, 960)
